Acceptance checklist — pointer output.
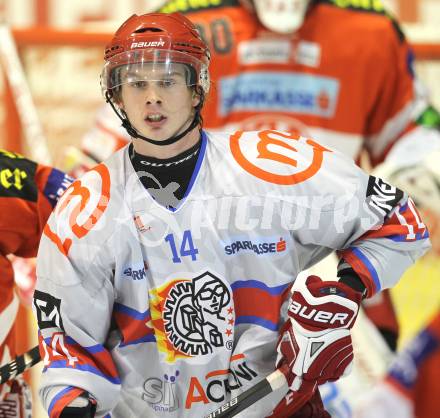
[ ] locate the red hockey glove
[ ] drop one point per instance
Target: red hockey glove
(315, 342)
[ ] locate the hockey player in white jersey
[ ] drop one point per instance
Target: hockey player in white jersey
(163, 270)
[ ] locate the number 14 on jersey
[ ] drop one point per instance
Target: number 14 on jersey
(186, 247)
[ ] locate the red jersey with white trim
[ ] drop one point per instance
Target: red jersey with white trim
(28, 192)
(169, 312)
(344, 78)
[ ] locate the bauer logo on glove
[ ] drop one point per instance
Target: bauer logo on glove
(323, 304)
(315, 341)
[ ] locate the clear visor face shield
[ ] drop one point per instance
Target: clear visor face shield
(164, 69)
(281, 16)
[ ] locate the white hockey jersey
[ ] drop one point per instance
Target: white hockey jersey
(168, 312)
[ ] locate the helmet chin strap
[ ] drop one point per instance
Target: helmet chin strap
(132, 131)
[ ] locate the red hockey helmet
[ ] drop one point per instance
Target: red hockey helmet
(158, 40)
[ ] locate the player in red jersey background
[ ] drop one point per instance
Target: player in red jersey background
(28, 193)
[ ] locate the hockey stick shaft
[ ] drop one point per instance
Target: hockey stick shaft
(33, 132)
(19, 365)
(268, 385)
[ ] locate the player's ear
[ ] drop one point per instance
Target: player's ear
(195, 98)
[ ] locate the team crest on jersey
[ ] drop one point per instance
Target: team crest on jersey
(193, 317)
(283, 158)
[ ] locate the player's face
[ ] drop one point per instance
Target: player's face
(158, 103)
(282, 16)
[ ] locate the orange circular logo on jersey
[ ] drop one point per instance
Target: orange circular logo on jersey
(83, 193)
(268, 138)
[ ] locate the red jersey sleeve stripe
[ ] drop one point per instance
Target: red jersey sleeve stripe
(363, 267)
(62, 399)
